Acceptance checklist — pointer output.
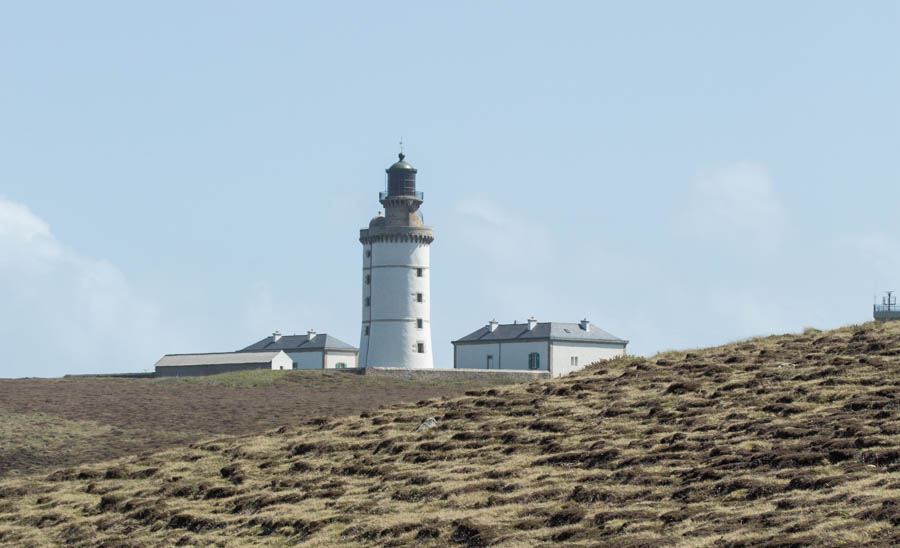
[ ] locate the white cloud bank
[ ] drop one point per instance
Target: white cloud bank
(266, 310)
(61, 312)
(510, 242)
(514, 255)
(875, 254)
(737, 204)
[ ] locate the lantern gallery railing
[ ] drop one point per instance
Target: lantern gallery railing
(886, 312)
(417, 195)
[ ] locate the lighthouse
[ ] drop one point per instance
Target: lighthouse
(396, 273)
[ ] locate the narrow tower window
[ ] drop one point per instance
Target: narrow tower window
(368, 253)
(420, 323)
(368, 279)
(367, 331)
(420, 348)
(420, 298)
(419, 272)
(368, 301)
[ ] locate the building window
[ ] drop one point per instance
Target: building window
(420, 323)
(419, 272)
(420, 348)
(340, 365)
(368, 301)
(368, 253)
(367, 331)
(573, 360)
(490, 361)
(368, 279)
(420, 298)
(534, 361)
(294, 365)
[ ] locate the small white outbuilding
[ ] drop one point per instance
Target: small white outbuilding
(558, 348)
(193, 365)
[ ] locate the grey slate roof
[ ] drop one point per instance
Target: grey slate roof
(216, 358)
(299, 343)
(554, 331)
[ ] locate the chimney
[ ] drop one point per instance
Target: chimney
(276, 336)
(585, 324)
(531, 323)
(492, 325)
(311, 333)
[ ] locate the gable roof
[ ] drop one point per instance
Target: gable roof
(217, 358)
(554, 331)
(297, 343)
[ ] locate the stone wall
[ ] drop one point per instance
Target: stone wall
(203, 370)
(146, 375)
(424, 374)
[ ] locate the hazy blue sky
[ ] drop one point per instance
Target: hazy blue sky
(190, 176)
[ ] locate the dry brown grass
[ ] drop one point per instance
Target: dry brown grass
(790, 441)
(64, 422)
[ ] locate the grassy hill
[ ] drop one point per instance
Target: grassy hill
(47, 423)
(787, 440)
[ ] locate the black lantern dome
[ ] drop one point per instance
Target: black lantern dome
(401, 178)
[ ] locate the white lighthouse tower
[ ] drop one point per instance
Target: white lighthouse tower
(396, 319)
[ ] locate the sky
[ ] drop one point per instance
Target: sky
(191, 176)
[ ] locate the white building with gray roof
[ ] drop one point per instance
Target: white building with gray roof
(558, 348)
(310, 351)
(197, 365)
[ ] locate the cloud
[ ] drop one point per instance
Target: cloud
(63, 312)
(265, 313)
(873, 257)
(265, 309)
(510, 243)
(746, 308)
(875, 250)
(737, 204)
(514, 256)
